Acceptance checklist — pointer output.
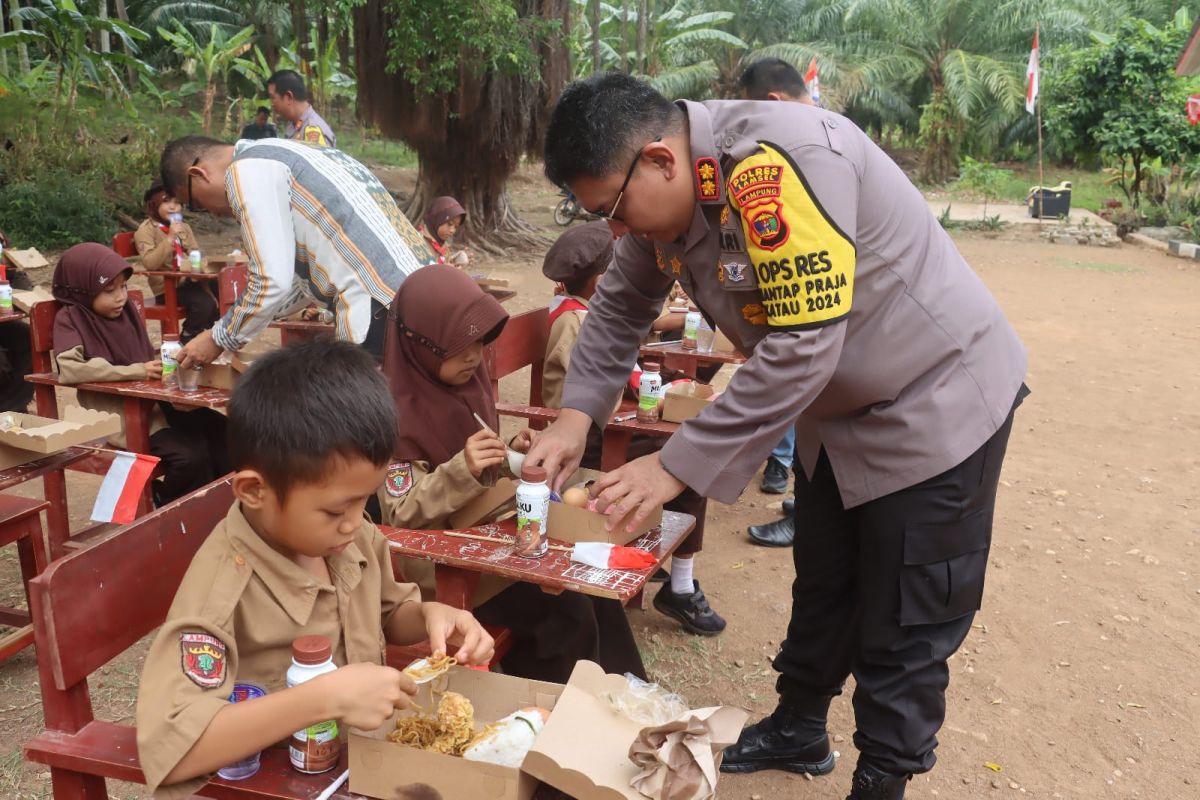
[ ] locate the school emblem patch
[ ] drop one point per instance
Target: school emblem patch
(399, 478)
(203, 659)
(706, 178)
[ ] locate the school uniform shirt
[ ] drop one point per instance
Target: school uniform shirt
(74, 367)
(417, 497)
(238, 609)
(157, 250)
(315, 213)
(312, 129)
(564, 332)
(818, 258)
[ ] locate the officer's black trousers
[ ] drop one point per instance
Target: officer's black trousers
(887, 591)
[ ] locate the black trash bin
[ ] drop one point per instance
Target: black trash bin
(1056, 201)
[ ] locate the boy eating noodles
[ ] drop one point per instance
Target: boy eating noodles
(294, 557)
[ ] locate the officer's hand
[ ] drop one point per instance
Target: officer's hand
(199, 351)
(631, 492)
(365, 695)
(459, 631)
(559, 448)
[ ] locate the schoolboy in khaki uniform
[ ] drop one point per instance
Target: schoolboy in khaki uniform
(295, 557)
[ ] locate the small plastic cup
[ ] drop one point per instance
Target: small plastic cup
(705, 336)
(248, 766)
(189, 379)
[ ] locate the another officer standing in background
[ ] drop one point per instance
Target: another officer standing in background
(863, 325)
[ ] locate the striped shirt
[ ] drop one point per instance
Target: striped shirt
(317, 215)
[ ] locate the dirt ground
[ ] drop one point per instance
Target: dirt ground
(1073, 683)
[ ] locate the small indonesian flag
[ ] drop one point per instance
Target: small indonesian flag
(1031, 77)
(812, 82)
(611, 556)
(122, 487)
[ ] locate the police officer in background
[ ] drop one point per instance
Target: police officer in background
(863, 325)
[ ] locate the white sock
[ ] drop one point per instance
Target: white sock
(681, 575)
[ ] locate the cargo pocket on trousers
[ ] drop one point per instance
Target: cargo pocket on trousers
(944, 568)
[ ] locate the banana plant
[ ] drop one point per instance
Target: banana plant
(212, 60)
(64, 32)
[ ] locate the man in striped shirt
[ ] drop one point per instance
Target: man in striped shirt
(309, 216)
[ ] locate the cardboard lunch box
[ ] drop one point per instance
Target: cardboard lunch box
(567, 523)
(383, 769)
(583, 750)
(41, 436)
(685, 400)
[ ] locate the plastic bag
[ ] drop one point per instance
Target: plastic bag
(646, 703)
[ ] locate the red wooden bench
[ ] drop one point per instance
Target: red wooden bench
(21, 524)
(127, 581)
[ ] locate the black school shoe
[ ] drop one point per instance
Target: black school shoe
(789, 506)
(777, 742)
(780, 533)
(775, 477)
(692, 610)
(873, 784)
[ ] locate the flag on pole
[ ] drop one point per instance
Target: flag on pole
(122, 487)
(1031, 77)
(812, 83)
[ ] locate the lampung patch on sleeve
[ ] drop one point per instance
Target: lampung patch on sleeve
(803, 260)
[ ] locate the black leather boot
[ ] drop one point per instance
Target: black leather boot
(791, 739)
(874, 784)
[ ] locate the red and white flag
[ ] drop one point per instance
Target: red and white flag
(611, 556)
(1031, 77)
(122, 487)
(812, 82)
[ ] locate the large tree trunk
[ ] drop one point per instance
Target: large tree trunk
(594, 19)
(300, 30)
(643, 14)
(469, 141)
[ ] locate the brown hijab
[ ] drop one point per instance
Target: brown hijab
(442, 210)
(82, 272)
(438, 312)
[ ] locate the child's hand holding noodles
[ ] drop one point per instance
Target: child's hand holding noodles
(364, 695)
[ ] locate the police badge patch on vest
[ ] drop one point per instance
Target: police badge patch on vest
(203, 659)
(803, 262)
(399, 478)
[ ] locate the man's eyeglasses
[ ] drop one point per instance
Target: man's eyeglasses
(612, 212)
(192, 206)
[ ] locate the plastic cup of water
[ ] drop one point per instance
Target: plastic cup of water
(249, 765)
(705, 336)
(189, 379)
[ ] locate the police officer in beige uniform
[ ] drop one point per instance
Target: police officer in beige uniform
(863, 326)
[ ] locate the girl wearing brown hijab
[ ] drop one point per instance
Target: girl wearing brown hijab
(443, 219)
(433, 360)
(100, 336)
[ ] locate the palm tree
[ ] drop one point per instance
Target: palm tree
(65, 33)
(957, 66)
